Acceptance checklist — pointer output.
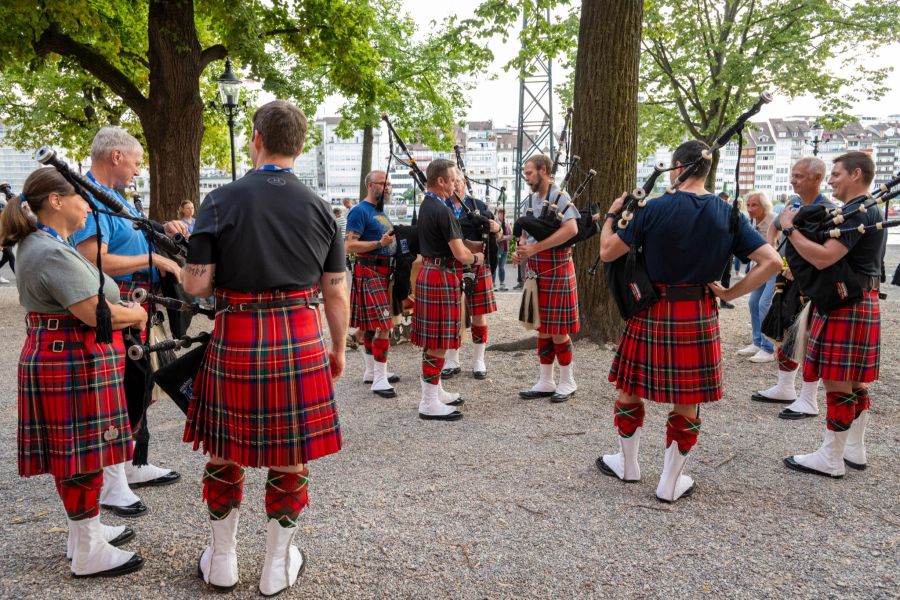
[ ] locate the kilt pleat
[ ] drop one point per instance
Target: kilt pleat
(670, 352)
(370, 302)
(435, 322)
(264, 394)
(482, 301)
(72, 414)
(844, 344)
(557, 291)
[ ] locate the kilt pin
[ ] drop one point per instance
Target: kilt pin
(264, 395)
(843, 344)
(436, 320)
(670, 353)
(557, 291)
(72, 413)
(370, 301)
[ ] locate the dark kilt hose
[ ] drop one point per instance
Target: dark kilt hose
(436, 320)
(264, 395)
(843, 344)
(670, 352)
(72, 415)
(482, 301)
(370, 299)
(557, 291)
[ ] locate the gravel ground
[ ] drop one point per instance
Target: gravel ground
(507, 502)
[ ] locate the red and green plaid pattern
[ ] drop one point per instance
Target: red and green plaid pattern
(546, 350)
(628, 417)
(370, 302)
(482, 301)
(126, 287)
(844, 344)
(863, 401)
(264, 395)
(682, 430)
(80, 494)
(380, 349)
(435, 322)
(670, 353)
(557, 291)
(785, 363)
(72, 414)
(479, 334)
(223, 489)
(840, 410)
(286, 495)
(431, 368)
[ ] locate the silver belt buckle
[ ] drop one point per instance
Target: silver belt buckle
(52, 324)
(57, 346)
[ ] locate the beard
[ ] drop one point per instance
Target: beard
(535, 186)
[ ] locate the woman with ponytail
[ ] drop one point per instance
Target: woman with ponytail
(72, 415)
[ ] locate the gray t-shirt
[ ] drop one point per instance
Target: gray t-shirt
(52, 276)
(536, 202)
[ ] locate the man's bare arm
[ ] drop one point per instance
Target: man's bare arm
(197, 280)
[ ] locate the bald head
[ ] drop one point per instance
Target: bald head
(376, 181)
(807, 176)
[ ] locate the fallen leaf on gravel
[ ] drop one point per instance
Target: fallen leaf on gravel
(57, 530)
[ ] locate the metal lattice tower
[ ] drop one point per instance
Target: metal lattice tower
(535, 130)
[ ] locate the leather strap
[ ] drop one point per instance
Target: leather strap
(682, 292)
(285, 303)
(63, 345)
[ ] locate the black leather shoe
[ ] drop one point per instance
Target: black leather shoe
(122, 537)
(857, 466)
(604, 468)
(392, 379)
(531, 395)
(790, 463)
(479, 374)
(385, 393)
(133, 564)
(129, 512)
(167, 479)
(449, 373)
(687, 493)
(458, 402)
(454, 416)
(562, 397)
(793, 415)
(757, 397)
(723, 304)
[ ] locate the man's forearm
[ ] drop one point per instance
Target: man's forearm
(359, 246)
(115, 265)
(337, 313)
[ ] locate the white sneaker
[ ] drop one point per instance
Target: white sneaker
(4, 280)
(763, 357)
(748, 351)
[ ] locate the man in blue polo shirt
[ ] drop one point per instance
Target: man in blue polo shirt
(370, 235)
(115, 159)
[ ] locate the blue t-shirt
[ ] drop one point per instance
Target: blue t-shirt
(686, 237)
(370, 224)
(118, 234)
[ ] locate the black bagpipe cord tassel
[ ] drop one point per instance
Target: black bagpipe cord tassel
(141, 445)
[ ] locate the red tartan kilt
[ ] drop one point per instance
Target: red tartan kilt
(482, 301)
(126, 287)
(557, 291)
(435, 322)
(264, 395)
(670, 353)
(71, 401)
(844, 344)
(370, 302)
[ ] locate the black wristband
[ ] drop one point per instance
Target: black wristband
(610, 215)
(787, 231)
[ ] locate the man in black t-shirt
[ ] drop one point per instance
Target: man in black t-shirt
(264, 396)
(844, 344)
(436, 320)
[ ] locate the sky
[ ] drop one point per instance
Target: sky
(498, 99)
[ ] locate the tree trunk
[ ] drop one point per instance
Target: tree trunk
(366, 165)
(605, 135)
(173, 117)
(711, 177)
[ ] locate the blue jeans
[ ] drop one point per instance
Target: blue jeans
(501, 266)
(760, 301)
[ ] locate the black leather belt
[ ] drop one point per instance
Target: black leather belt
(285, 303)
(868, 282)
(63, 345)
(373, 261)
(62, 323)
(682, 292)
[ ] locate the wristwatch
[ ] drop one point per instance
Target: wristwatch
(787, 231)
(609, 216)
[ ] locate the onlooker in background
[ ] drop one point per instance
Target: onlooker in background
(726, 274)
(186, 214)
(503, 249)
(759, 207)
(341, 219)
(8, 256)
(348, 203)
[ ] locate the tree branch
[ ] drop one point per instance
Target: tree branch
(53, 40)
(215, 52)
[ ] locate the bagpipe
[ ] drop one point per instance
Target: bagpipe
(473, 221)
(138, 378)
(836, 285)
(627, 276)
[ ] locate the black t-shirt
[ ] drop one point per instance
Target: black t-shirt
(266, 231)
(865, 250)
(437, 226)
(473, 205)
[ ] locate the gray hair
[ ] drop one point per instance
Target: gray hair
(370, 178)
(763, 199)
(814, 164)
(113, 138)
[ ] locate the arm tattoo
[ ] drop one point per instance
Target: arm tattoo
(196, 270)
(336, 280)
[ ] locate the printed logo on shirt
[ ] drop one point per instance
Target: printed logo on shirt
(383, 221)
(276, 181)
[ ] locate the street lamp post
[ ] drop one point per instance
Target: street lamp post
(230, 91)
(813, 136)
